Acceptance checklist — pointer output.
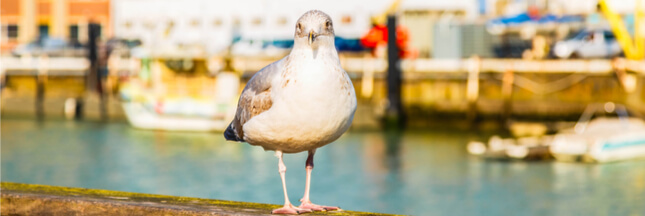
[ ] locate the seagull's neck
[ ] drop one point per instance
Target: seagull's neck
(323, 50)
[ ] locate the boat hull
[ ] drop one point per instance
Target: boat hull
(141, 117)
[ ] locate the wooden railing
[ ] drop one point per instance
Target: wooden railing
(356, 66)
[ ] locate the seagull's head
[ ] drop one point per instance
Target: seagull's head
(314, 28)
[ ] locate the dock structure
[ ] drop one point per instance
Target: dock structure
(411, 68)
(472, 88)
(29, 199)
(59, 66)
(354, 65)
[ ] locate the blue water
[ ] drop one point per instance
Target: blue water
(419, 172)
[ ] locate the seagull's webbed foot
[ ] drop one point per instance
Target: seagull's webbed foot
(314, 207)
(289, 209)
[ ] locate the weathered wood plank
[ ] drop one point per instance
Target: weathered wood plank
(29, 199)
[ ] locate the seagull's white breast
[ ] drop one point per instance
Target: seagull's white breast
(313, 104)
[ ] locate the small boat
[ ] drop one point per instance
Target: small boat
(179, 115)
(179, 94)
(525, 148)
(603, 139)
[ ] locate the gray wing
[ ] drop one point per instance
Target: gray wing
(255, 99)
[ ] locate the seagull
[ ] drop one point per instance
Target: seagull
(301, 102)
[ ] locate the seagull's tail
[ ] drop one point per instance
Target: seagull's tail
(230, 134)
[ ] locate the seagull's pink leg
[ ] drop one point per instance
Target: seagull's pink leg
(305, 202)
(287, 208)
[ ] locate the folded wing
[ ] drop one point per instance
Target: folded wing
(255, 99)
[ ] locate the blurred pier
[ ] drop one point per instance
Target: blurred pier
(443, 88)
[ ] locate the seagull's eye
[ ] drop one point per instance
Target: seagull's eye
(298, 26)
(328, 24)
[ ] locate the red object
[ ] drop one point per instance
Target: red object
(534, 13)
(377, 36)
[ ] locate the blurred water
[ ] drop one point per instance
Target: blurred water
(421, 172)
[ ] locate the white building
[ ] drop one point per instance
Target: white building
(213, 23)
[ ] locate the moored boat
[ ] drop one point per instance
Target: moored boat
(603, 139)
(179, 94)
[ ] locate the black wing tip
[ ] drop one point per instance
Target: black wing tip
(230, 135)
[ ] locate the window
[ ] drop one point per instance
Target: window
(73, 32)
(282, 21)
(149, 24)
(43, 31)
(347, 19)
(256, 21)
(98, 27)
(195, 23)
(12, 31)
(127, 24)
(218, 22)
(609, 35)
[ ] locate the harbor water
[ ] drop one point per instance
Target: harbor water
(415, 172)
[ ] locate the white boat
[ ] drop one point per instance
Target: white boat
(140, 115)
(603, 139)
(524, 148)
(162, 99)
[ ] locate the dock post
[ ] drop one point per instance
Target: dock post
(41, 75)
(507, 93)
(95, 77)
(367, 81)
(472, 87)
(394, 114)
(631, 83)
(40, 97)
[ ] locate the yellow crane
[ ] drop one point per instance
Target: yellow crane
(633, 49)
(381, 18)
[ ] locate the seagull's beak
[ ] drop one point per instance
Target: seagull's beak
(312, 36)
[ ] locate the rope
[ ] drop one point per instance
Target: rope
(547, 88)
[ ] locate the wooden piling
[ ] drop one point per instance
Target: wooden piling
(40, 97)
(41, 76)
(507, 93)
(95, 78)
(629, 82)
(394, 115)
(367, 81)
(472, 87)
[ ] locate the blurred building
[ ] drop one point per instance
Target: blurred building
(214, 25)
(496, 8)
(420, 17)
(24, 21)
